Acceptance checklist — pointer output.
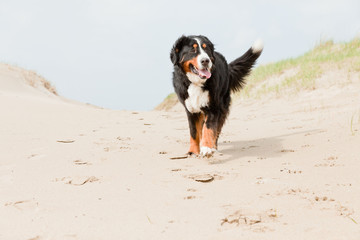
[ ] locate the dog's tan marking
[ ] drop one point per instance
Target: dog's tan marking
(186, 65)
(208, 137)
(195, 143)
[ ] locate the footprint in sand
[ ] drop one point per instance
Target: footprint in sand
(77, 181)
(189, 197)
(329, 162)
(66, 141)
(204, 178)
(121, 144)
(23, 205)
(290, 171)
(250, 218)
(287, 150)
(176, 170)
(321, 202)
(189, 191)
(81, 162)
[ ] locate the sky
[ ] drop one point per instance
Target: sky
(115, 53)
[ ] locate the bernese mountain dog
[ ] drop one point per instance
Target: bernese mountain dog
(203, 81)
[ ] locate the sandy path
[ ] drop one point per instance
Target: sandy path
(288, 169)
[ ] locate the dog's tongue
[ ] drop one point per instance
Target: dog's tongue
(204, 73)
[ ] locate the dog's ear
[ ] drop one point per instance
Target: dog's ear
(175, 51)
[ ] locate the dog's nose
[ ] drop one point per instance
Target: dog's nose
(205, 62)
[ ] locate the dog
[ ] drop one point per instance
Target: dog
(202, 81)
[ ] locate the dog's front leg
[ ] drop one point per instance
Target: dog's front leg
(196, 122)
(209, 136)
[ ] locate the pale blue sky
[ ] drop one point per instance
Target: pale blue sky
(115, 54)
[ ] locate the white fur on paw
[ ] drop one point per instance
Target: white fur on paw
(206, 151)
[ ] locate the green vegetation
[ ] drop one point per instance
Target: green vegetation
(303, 70)
(168, 102)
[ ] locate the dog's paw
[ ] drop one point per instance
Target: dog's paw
(206, 151)
(192, 154)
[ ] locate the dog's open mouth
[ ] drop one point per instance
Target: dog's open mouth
(203, 73)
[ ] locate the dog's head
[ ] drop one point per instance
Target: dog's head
(195, 56)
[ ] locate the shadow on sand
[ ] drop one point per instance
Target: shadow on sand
(261, 148)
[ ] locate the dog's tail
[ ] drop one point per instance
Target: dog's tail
(241, 67)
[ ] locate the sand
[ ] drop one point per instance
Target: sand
(287, 168)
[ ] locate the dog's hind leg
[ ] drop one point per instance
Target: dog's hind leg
(221, 122)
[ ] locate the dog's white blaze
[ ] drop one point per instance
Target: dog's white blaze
(257, 46)
(202, 55)
(197, 99)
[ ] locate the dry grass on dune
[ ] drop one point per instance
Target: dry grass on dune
(305, 72)
(31, 78)
(35, 79)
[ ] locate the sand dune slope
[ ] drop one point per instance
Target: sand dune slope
(288, 169)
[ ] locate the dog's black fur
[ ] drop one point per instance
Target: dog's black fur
(224, 79)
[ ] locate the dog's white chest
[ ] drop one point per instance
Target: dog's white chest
(197, 99)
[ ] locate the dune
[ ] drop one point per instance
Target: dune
(287, 167)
